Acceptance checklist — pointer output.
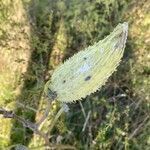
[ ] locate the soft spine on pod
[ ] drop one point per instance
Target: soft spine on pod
(88, 70)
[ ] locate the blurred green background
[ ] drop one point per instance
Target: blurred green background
(38, 35)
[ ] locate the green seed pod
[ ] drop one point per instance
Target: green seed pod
(88, 70)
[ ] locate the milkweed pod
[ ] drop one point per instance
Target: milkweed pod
(88, 70)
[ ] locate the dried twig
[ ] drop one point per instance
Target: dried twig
(86, 121)
(10, 114)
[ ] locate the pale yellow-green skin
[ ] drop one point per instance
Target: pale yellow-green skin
(88, 70)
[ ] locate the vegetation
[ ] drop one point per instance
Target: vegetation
(36, 36)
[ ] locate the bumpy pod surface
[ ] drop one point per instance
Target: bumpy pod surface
(88, 70)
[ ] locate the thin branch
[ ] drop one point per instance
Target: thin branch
(28, 124)
(86, 121)
(82, 108)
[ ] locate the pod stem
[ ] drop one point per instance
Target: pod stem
(64, 108)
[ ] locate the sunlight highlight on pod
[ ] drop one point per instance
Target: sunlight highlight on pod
(88, 70)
